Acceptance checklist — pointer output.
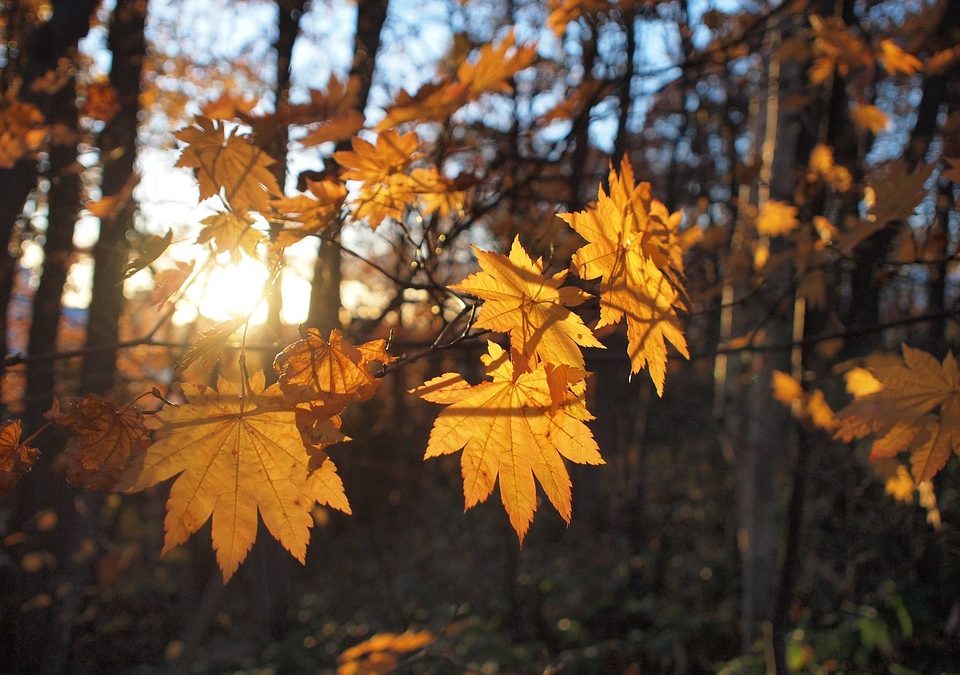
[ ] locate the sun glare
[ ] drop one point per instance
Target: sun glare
(232, 291)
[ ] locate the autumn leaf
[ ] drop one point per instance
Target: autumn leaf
(380, 654)
(823, 167)
(332, 114)
(228, 164)
(634, 249)
(169, 281)
(494, 66)
(505, 427)
(776, 218)
(533, 309)
(16, 457)
(310, 213)
(329, 372)
(235, 456)
(490, 72)
(388, 188)
(104, 440)
(209, 343)
(22, 130)
(811, 407)
(895, 60)
(102, 103)
(231, 232)
(145, 252)
(913, 407)
(869, 117)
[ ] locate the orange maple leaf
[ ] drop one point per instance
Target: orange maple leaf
(236, 455)
(231, 231)
(869, 117)
(16, 457)
(228, 164)
(329, 373)
(533, 309)
(312, 212)
(913, 406)
(104, 440)
(895, 60)
(490, 72)
(508, 430)
(380, 654)
(635, 250)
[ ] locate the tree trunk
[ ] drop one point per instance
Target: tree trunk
(118, 153)
(325, 289)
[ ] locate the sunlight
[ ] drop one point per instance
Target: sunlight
(232, 291)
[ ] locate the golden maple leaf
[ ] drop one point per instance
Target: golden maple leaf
(384, 168)
(231, 231)
(494, 66)
(329, 373)
(507, 428)
(490, 72)
(312, 212)
(914, 407)
(228, 164)
(16, 457)
(633, 246)
(776, 218)
(104, 440)
(234, 456)
(380, 654)
(518, 299)
(332, 114)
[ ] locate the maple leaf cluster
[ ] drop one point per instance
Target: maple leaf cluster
(517, 427)
(910, 405)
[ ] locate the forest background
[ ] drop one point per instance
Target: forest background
(765, 195)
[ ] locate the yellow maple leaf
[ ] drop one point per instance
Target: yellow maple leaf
(518, 299)
(634, 248)
(16, 457)
(776, 218)
(104, 440)
(231, 231)
(869, 117)
(311, 213)
(228, 164)
(329, 372)
(505, 426)
(234, 456)
(895, 60)
(389, 184)
(494, 66)
(490, 72)
(331, 115)
(380, 654)
(915, 410)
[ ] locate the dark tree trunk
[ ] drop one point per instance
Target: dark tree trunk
(118, 153)
(325, 290)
